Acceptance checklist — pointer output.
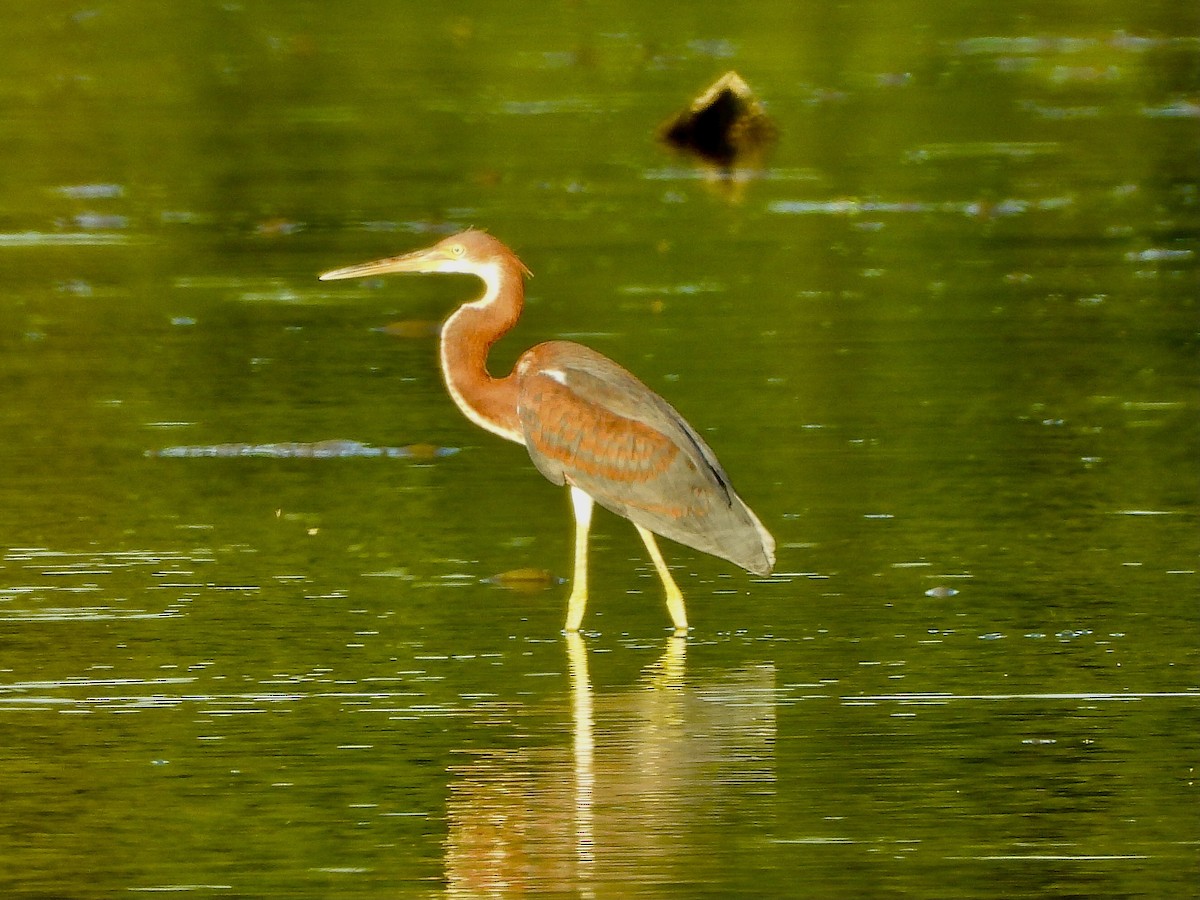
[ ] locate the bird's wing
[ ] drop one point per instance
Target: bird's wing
(590, 423)
(625, 395)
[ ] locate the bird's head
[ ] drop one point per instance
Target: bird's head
(470, 252)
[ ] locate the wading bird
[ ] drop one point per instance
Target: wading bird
(586, 422)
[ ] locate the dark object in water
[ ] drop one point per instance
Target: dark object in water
(332, 449)
(725, 126)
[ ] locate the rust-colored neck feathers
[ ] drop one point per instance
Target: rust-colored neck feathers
(469, 333)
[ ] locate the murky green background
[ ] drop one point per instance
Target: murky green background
(946, 345)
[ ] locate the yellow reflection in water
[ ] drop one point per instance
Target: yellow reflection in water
(648, 770)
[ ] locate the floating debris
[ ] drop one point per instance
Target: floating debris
(976, 209)
(941, 592)
(331, 449)
(94, 221)
(1175, 109)
(400, 572)
(427, 451)
(278, 227)
(725, 126)
(75, 238)
(977, 150)
(525, 580)
(411, 328)
(1159, 254)
(91, 191)
(75, 286)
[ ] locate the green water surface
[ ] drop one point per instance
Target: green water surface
(945, 343)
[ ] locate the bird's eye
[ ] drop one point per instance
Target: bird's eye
(458, 250)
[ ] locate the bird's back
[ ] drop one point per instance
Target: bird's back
(590, 423)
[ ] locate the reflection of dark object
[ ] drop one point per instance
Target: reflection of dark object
(333, 449)
(586, 423)
(724, 126)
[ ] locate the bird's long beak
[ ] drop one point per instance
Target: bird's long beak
(429, 260)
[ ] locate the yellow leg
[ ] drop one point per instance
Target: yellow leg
(674, 595)
(581, 503)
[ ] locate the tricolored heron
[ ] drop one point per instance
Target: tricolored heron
(586, 422)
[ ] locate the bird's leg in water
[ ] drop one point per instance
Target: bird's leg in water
(674, 595)
(581, 503)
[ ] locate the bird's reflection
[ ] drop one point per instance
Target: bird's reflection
(641, 796)
(585, 752)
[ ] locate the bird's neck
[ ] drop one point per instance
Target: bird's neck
(468, 334)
